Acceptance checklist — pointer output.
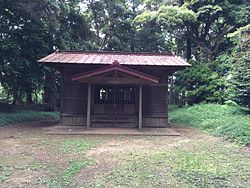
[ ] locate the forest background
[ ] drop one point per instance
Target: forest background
(213, 35)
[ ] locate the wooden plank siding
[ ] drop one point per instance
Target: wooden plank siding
(73, 102)
(154, 101)
(74, 98)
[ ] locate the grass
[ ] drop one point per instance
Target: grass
(229, 121)
(4, 173)
(24, 116)
(201, 166)
(73, 150)
(78, 145)
(74, 167)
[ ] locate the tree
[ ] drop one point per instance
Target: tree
(22, 42)
(171, 20)
(205, 23)
(240, 73)
(203, 82)
(31, 30)
(215, 19)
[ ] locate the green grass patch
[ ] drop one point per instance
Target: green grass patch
(24, 116)
(73, 168)
(177, 168)
(78, 145)
(5, 172)
(73, 150)
(230, 121)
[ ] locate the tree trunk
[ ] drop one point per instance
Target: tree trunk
(14, 99)
(171, 92)
(132, 40)
(29, 97)
(181, 99)
(8, 96)
(189, 49)
(50, 91)
(180, 2)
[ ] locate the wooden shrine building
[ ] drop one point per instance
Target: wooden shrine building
(119, 89)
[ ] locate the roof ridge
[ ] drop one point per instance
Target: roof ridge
(116, 52)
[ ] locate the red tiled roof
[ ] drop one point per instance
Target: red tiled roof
(124, 58)
(115, 67)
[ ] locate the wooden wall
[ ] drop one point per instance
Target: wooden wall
(73, 101)
(154, 101)
(155, 106)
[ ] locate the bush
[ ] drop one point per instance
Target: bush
(24, 116)
(233, 122)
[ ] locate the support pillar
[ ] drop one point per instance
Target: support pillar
(167, 97)
(89, 106)
(140, 107)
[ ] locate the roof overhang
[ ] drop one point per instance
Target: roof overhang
(74, 58)
(130, 75)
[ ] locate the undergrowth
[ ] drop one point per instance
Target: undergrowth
(230, 121)
(24, 116)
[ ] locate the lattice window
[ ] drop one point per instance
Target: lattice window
(115, 95)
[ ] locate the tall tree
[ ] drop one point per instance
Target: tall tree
(206, 23)
(240, 73)
(32, 29)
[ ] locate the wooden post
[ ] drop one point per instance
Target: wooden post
(89, 106)
(167, 96)
(140, 107)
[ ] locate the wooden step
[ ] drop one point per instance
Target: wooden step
(114, 120)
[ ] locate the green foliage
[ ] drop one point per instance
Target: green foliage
(172, 17)
(144, 17)
(24, 116)
(31, 30)
(215, 19)
(192, 28)
(240, 73)
(223, 120)
(202, 82)
(204, 23)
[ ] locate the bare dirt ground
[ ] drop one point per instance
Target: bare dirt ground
(31, 158)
